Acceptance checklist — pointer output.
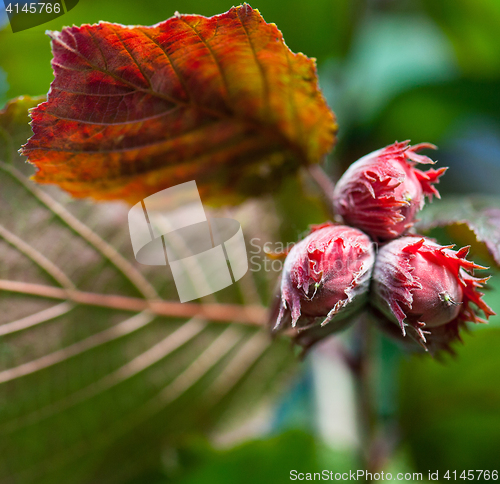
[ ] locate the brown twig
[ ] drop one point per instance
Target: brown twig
(230, 313)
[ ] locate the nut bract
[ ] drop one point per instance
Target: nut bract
(419, 284)
(381, 192)
(325, 278)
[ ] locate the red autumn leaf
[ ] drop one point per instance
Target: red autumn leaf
(221, 100)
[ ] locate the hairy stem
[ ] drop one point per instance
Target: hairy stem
(229, 313)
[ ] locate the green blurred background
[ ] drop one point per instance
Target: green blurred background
(391, 70)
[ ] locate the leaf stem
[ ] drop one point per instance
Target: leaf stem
(229, 313)
(324, 182)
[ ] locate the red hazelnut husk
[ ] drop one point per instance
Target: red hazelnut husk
(427, 289)
(325, 279)
(382, 192)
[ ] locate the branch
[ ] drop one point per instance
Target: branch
(228, 313)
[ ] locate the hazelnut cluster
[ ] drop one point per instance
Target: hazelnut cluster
(372, 262)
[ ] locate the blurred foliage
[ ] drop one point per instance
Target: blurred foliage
(432, 112)
(450, 413)
(472, 26)
(298, 208)
(265, 461)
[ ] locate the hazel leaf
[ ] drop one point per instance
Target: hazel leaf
(479, 216)
(221, 100)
